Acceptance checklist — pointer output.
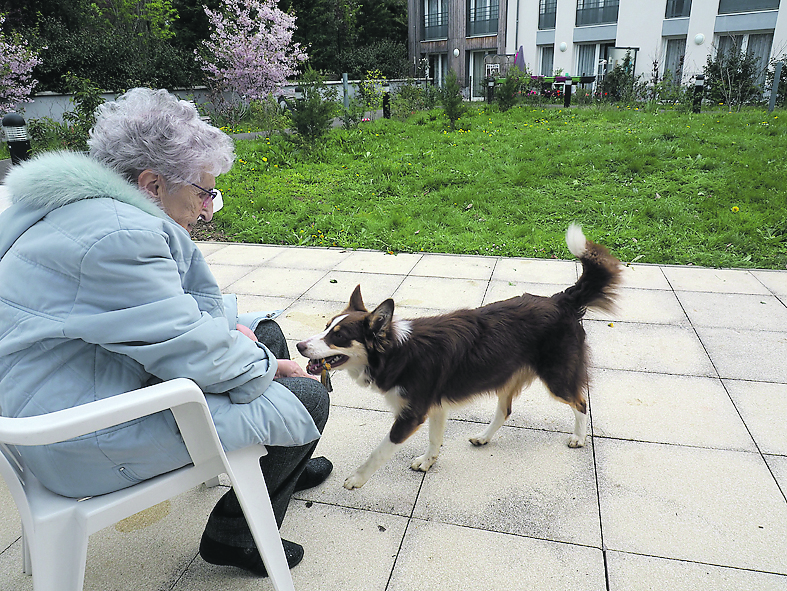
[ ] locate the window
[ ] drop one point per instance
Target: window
(733, 6)
(438, 68)
(482, 17)
(547, 60)
(597, 12)
(547, 13)
(673, 60)
(586, 64)
(757, 45)
(678, 8)
(435, 19)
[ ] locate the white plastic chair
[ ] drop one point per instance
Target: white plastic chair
(55, 529)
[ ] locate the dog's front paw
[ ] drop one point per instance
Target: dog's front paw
(423, 463)
(479, 440)
(576, 441)
(354, 481)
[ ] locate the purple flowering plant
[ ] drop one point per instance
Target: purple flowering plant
(17, 61)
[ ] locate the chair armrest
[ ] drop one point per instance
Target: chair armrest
(94, 416)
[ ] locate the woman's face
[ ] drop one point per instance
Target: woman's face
(184, 204)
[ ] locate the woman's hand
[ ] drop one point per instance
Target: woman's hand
(290, 369)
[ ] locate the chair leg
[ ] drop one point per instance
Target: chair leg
(27, 563)
(213, 482)
(249, 485)
(59, 552)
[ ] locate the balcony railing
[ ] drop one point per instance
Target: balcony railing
(678, 8)
(482, 21)
(593, 14)
(436, 25)
(546, 20)
(732, 6)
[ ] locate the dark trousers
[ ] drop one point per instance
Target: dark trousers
(282, 466)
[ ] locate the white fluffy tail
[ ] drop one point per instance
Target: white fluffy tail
(576, 241)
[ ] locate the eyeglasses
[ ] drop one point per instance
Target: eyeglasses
(212, 195)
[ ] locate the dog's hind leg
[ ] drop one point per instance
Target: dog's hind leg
(437, 418)
(505, 396)
(577, 438)
(404, 426)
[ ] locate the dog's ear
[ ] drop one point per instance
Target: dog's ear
(356, 301)
(380, 319)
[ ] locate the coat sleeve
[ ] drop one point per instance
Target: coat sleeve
(130, 301)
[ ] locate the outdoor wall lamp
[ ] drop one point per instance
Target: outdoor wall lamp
(456, 53)
(563, 46)
(699, 39)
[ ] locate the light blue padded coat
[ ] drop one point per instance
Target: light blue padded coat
(102, 293)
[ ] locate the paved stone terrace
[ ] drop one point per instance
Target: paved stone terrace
(681, 486)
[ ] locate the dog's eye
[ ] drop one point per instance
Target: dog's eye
(340, 335)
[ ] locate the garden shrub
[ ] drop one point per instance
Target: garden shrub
(451, 99)
(312, 116)
(730, 78)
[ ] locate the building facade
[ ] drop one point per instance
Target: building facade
(456, 35)
(588, 37)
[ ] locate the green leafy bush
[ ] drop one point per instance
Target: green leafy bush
(451, 99)
(312, 115)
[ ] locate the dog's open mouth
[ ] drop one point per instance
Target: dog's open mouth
(315, 366)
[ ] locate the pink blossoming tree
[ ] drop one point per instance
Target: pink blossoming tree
(250, 53)
(17, 61)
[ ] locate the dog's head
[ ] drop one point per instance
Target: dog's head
(350, 336)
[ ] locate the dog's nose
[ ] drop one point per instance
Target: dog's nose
(301, 347)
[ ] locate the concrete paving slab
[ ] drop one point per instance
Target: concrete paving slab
(763, 407)
(208, 248)
(701, 505)
(778, 466)
(647, 347)
(226, 275)
(310, 258)
(343, 549)
(454, 266)
(775, 281)
(682, 410)
(503, 290)
(536, 271)
(523, 482)
(630, 572)
(713, 280)
(644, 277)
(440, 293)
(731, 310)
(252, 303)
(649, 306)
(367, 261)
(350, 436)
(747, 354)
(244, 254)
(444, 557)
(274, 281)
(338, 286)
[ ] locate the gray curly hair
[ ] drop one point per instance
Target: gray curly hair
(153, 129)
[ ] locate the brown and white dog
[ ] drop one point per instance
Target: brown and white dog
(425, 365)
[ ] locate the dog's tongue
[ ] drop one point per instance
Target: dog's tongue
(315, 366)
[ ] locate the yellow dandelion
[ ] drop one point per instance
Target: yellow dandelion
(735, 209)
(264, 159)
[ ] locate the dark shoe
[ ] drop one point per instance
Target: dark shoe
(317, 470)
(246, 558)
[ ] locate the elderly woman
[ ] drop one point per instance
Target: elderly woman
(102, 291)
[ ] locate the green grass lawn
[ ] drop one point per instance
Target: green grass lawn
(707, 189)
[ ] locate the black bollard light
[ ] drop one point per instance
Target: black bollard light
(567, 92)
(490, 89)
(386, 100)
(699, 87)
(16, 136)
